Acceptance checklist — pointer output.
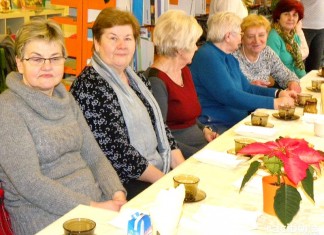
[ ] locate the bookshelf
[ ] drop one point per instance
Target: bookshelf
(77, 24)
(11, 21)
(90, 11)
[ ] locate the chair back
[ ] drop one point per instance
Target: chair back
(3, 69)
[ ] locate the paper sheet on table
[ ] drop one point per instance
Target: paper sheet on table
(214, 219)
(254, 185)
(311, 117)
(218, 158)
(256, 131)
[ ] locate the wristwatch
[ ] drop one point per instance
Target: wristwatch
(209, 128)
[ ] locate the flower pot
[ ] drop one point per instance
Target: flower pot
(270, 186)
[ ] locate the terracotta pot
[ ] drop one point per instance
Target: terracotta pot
(269, 185)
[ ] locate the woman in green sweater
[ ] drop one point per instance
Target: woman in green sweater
(283, 38)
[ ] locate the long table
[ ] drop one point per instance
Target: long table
(224, 206)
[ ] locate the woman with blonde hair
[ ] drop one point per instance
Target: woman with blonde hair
(175, 37)
(258, 62)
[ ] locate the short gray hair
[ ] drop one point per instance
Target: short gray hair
(36, 29)
(175, 30)
(222, 23)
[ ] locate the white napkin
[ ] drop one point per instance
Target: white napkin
(213, 219)
(254, 185)
(121, 221)
(311, 117)
(166, 210)
(222, 159)
(256, 131)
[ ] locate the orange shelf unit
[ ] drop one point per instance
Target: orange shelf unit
(86, 27)
(70, 3)
(73, 43)
(100, 4)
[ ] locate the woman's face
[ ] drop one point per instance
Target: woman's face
(116, 46)
(254, 39)
(235, 39)
(40, 74)
(288, 20)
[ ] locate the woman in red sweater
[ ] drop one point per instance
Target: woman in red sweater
(175, 37)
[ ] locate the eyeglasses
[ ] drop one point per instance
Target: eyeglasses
(39, 61)
(238, 33)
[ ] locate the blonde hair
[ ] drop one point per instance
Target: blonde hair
(220, 24)
(39, 29)
(254, 20)
(175, 30)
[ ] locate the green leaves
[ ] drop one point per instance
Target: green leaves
(254, 166)
(286, 203)
(273, 164)
(308, 184)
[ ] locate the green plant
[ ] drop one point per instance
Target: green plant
(293, 158)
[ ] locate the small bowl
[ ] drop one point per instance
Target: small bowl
(79, 226)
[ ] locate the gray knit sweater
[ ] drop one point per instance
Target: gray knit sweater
(49, 159)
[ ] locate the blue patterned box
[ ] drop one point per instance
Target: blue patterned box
(140, 224)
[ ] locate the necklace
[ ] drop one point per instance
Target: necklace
(247, 58)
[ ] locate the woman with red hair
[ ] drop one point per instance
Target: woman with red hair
(283, 38)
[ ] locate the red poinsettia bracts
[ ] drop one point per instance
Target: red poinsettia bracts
(296, 155)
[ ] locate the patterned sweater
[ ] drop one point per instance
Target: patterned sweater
(101, 108)
(268, 64)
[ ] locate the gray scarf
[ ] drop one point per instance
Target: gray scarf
(145, 139)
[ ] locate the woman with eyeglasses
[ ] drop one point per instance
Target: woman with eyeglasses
(50, 161)
(225, 94)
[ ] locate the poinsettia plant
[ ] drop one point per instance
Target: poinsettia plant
(294, 158)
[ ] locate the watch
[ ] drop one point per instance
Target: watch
(208, 127)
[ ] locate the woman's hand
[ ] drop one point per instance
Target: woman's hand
(115, 204)
(209, 134)
(261, 83)
(294, 86)
(286, 100)
(288, 93)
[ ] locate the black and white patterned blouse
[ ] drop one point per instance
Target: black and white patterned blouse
(100, 106)
(268, 64)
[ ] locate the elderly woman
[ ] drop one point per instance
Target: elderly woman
(122, 113)
(283, 38)
(235, 6)
(175, 37)
(50, 161)
(258, 62)
(225, 94)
